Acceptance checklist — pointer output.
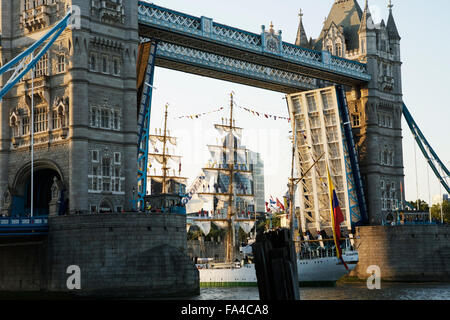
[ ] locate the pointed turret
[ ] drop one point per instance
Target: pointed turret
(302, 39)
(366, 19)
(391, 26)
(347, 14)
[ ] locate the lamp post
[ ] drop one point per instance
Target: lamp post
(134, 200)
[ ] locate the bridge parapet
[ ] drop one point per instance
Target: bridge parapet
(267, 43)
(13, 226)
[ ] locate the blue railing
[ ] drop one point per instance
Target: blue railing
(163, 18)
(23, 225)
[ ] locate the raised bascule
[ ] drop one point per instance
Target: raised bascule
(68, 96)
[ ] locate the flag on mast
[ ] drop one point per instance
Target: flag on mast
(280, 205)
(336, 218)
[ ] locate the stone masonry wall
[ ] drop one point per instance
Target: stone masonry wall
(405, 253)
(22, 264)
(122, 254)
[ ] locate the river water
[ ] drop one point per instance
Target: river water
(389, 291)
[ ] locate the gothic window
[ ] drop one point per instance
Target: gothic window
(388, 122)
(363, 46)
(106, 185)
(106, 174)
(14, 123)
(116, 66)
(95, 156)
(117, 157)
(92, 62)
(41, 68)
(25, 124)
(106, 167)
(104, 118)
(356, 120)
(115, 120)
(339, 50)
(385, 69)
(61, 63)
(40, 119)
(56, 120)
(105, 64)
(384, 120)
(330, 48)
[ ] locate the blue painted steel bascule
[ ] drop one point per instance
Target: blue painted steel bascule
(358, 210)
(145, 89)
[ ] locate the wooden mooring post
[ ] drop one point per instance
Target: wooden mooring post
(276, 266)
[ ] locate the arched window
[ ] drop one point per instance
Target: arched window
(25, 123)
(92, 62)
(339, 49)
(104, 64)
(14, 123)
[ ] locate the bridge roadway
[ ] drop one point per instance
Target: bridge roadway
(203, 47)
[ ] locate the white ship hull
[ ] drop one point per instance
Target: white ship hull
(319, 270)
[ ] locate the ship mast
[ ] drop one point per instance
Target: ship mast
(229, 169)
(164, 167)
(164, 137)
(230, 235)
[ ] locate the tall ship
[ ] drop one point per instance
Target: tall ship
(227, 193)
(167, 187)
(317, 250)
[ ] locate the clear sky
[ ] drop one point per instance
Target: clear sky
(424, 47)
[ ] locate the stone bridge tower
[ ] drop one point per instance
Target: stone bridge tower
(84, 109)
(375, 110)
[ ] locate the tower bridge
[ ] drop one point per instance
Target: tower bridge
(81, 92)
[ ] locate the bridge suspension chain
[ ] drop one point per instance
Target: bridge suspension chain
(26, 60)
(438, 167)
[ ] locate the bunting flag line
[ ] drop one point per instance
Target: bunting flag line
(198, 115)
(266, 115)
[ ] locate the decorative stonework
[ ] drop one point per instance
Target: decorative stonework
(108, 11)
(272, 41)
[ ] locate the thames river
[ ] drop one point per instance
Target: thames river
(389, 291)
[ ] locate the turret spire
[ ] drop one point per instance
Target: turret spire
(391, 26)
(301, 39)
(366, 19)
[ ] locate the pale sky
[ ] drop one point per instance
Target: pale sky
(424, 74)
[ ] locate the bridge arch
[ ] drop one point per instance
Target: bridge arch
(45, 172)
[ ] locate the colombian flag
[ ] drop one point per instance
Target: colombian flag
(336, 218)
(280, 205)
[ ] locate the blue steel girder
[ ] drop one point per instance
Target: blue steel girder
(355, 214)
(203, 63)
(144, 127)
(352, 154)
(438, 167)
(265, 49)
